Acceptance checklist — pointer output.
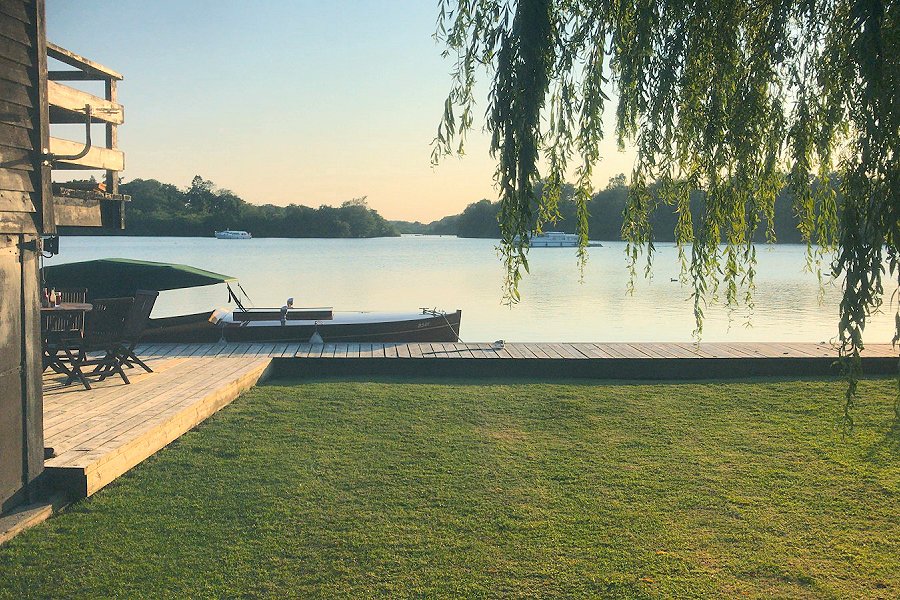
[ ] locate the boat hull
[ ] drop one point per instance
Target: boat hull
(196, 328)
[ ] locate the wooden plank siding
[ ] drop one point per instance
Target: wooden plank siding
(24, 181)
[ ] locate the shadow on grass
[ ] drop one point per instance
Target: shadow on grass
(580, 382)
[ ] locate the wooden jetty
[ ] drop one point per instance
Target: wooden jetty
(99, 434)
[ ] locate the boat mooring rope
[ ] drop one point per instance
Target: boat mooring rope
(439, 313)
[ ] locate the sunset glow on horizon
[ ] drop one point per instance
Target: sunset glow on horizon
(303, 102)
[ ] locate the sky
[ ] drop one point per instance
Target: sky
(305, 102)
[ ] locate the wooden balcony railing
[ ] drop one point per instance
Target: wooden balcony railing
(67, 105)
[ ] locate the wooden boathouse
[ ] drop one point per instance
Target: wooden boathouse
(32, 97)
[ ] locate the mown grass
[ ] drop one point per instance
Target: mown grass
(463, 489)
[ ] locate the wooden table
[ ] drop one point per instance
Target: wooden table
(67, 307)
(52, 348)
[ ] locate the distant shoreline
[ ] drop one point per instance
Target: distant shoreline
(93, 232)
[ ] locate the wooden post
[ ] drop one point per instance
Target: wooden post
(112, 177)
(48, 218)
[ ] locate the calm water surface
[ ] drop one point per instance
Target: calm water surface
(449, 273)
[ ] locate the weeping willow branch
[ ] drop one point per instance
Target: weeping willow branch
(731, 97)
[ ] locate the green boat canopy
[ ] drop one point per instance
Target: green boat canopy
(117, 277)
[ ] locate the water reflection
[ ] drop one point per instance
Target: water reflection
(444, 272)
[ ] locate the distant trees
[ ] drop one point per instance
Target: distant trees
(606, 210)
(479, 220)
(158, 208)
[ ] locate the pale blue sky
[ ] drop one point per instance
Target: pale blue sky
(306, 102)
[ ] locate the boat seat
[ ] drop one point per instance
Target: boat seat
(275, 315)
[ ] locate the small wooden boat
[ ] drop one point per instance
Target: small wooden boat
(301, 325)
(116, 277)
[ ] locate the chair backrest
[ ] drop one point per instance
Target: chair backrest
(65, 323)
(106, 321)
(139, 314)
(73, 295)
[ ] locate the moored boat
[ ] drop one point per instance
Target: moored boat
(557, 239)
(264, 325)
(232, 234)
(554, 239)
(116, 277)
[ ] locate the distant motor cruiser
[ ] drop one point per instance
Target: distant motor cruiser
(231, 234)
(557, 239)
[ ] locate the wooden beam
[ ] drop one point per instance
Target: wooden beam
(97, 158)
(16, 202)
(72, 102)
(76, 212)
(18, 222)
(85, 64)
(74, 76)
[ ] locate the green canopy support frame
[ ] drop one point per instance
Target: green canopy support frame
(116, 277)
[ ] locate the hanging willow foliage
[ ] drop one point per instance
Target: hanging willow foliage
(732, 97)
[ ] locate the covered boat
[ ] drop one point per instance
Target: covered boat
(116, 277)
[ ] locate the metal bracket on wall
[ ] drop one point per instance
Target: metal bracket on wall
(50, 245)
(49, 158)
(33, 245)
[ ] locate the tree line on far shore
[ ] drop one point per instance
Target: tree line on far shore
(162, 209)
(606, 208)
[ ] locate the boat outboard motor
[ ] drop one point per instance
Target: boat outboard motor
(315, 338)
(284, 310)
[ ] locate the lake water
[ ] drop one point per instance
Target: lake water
(445, 272)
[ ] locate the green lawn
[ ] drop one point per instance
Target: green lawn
(360, 489)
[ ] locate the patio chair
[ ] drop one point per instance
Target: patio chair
(135, 324)
(103, 333)
(59, 330)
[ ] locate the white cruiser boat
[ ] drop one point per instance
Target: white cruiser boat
(231, 234)
(557, 239)
(554, 239)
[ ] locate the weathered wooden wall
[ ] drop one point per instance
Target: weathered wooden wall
(24, 216)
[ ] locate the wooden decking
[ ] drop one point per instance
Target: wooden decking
(99, 434)
(541, 350)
